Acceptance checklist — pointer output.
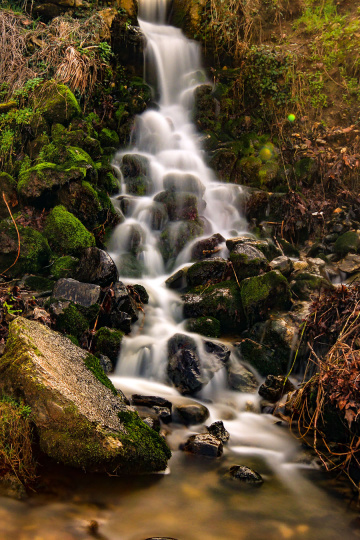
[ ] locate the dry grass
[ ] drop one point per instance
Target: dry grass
(16, 455)
(67, 48)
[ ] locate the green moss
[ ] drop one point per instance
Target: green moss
(71, 321)
(108, 342)
(348, 242)
(142, 439)
(66, 234)
(34, 254)
(57, 103)
(76, 157)
(206, 326)
(259, 294)
(109, 137)
(64, 267)
(93, 364)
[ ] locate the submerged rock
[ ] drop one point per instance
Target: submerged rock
(204, 444)
(240, 378)
(78, 416)
(245, 475)
(191, 414)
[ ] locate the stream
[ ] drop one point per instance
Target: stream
(191, 500)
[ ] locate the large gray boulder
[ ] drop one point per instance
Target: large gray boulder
(79, 417)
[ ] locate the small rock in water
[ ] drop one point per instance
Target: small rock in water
(190, 414)
(150, 401)
(245, 475)
(274, 387)
(217, 429)
(163, 413)
(204, 445)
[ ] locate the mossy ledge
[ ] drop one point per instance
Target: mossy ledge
(79, 421)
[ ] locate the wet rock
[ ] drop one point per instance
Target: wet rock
(126, 203)
(85, 294)
(240, 378)
(141, 292)
(275, 387)
(245, 475)
(179, 206)
(207, 247)
(129, 266)
(190, 414)
(217, 429)
(261, 294)
(184, 371)
(350, 264)
(176, 235)
(267, 247)
(247, 261)
(123, 301)
(79, 418)
(96, 266)
(206, 326)
(128, 42)
(159, 216)
(163, 413)
(222, 301)
(202, 272)
(179, 182)
(204, 445)
(283, 264)
(105, 363)
(180, 341)
(177, 280)
(150, 401)
(219, 350)
(135, 169)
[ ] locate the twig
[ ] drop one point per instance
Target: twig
(18, 235)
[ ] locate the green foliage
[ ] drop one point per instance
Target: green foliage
(66, 233)
(104, 51)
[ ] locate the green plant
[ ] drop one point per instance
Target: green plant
(104, 50)
(10, 310)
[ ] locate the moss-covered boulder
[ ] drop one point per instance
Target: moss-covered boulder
(71, 321)
(82, 200)
(247, 261)
(206, 271)
(135, 169)
(34, 250)
(79, 418)
(305, 284)
(178, 182)
(260, 294)
(348, 242)
(8, 188)
(222, 301)
(108, 341)
(57, 103)
(64, 267)
(206, 326)
(65, 233)
(37, 183)
(109, 137)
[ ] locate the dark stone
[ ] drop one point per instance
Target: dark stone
(179, 206)
(163, 413)
(207, 247)
(245, 475)
(179, 182)
(204, 445)
(240, 378)
(180, 341)
(142, 293)
(105, 363)
(96, 266)
(121, 320)
(151, 419)
(217, 429)
(184, 370)
(190, 414)
(124, 302)
(85, 294)
(248, 261)
(202, 272)
(206, 326)
(220, 351)
(177, 280)
(267, 246)
(275, 387)
(150, 401)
